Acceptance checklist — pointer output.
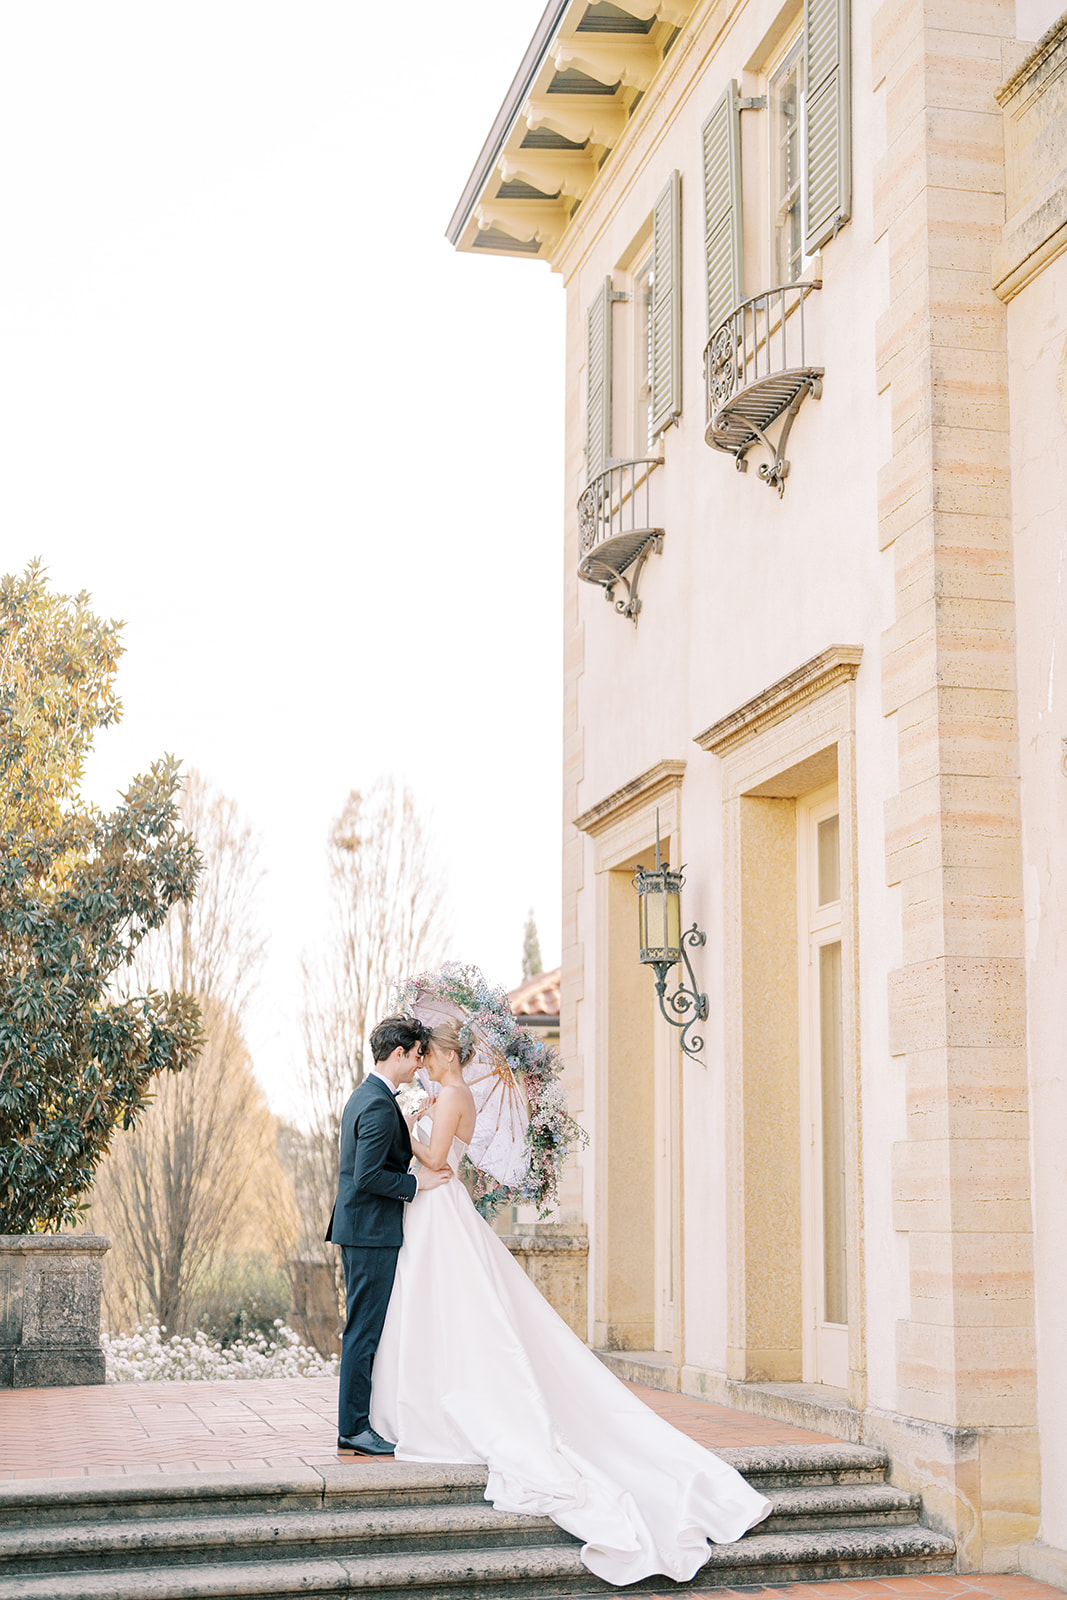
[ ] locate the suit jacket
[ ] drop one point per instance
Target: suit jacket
(374, 1180)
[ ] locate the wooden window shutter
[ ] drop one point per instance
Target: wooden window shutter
(722, 207)
(598, 381)
(665, 355)
(828, 155)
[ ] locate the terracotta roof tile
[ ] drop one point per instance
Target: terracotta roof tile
(537, 996)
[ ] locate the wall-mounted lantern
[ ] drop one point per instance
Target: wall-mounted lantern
(659, 910)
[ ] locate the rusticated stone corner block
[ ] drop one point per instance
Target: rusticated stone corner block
(50, 1309)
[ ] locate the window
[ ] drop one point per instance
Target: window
(655, 304)
(787, 235)
(808, 100)
(644, 280)
(824, 1263)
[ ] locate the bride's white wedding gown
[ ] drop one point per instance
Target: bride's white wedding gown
(475, 1366)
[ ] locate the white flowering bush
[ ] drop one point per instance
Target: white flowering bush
(144, 1356)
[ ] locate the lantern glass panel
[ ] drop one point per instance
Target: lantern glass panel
(673, 930)
(655, 918)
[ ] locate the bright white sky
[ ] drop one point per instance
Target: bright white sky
(257, 406)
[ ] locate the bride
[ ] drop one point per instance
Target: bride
(475, 1366)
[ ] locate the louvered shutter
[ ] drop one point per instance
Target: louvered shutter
(722, 207)
(828, 155)
(665, 354)
(598, 381)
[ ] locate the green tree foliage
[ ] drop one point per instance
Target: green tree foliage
(78, 892)
(57, 686)
(531, 949)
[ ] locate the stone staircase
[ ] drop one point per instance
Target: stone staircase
(382, 1529)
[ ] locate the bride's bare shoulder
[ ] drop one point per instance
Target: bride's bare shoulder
(459, 1094)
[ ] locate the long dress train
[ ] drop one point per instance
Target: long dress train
(475, 1366)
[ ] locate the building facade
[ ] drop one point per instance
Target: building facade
(815, 264)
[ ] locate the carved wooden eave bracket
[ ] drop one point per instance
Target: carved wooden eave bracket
(815, 678)
(579, 85)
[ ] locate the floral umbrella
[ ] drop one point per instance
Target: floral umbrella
(523, 1130)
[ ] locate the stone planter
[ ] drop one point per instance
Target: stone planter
(50, 1309)
(556, 1259)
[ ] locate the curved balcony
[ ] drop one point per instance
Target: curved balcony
(756, 370)
(616, 533)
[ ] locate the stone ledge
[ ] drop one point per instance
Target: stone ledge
(1044, 1562)
(639, 792)
(650, 1367)
(815, 678)
(1035, 230)
(815, 1406)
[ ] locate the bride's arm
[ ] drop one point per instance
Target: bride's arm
(447, 1110)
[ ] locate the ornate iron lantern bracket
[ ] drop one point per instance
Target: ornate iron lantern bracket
(663, 946)
(683, 1000)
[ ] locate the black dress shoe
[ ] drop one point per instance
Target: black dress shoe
(367, 1443)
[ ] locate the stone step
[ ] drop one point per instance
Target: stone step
(42, 1502)
(54, 1501)
(284, 1534)
(782, 1466)
(264, 1536)
(500, 1574)
(860, 1505)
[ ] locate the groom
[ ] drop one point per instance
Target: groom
(368, 1217)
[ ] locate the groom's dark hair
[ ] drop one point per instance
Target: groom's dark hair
(394, 1031)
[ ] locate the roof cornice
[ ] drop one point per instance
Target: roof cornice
(582, 78)
(536, 51)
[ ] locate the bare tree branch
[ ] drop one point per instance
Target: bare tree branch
(176, 1191)
(386, 921)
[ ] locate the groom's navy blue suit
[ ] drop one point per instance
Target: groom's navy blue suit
(368, 1224)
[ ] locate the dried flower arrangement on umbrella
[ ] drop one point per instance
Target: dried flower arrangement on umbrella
(523, 1130)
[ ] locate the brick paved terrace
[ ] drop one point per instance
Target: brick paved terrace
(249, 1424)
(275, 1424)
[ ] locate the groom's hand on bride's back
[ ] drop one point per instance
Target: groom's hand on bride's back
(429, 1179)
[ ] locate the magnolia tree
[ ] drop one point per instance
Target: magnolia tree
(79, 891)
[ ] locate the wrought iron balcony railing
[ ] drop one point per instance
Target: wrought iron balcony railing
(755, 371)
(615, 531)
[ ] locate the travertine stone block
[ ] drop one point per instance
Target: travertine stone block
(949, 1083)
(971, 18)
(965, 149)
(908, 670)
(957, 924)
(972, 1279)
(959, 746)
(968, 1377)
(894, 27)
(957, 1000)
(961, 1186)
(898, 177)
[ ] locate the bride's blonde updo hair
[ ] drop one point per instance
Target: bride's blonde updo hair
(452, 1035)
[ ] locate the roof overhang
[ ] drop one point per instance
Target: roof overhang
(587, 67)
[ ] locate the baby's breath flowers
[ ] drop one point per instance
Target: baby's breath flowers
(145, 1356)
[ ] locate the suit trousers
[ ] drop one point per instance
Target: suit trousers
(369, 1274)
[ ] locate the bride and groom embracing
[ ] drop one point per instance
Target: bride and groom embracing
(472, 1365)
